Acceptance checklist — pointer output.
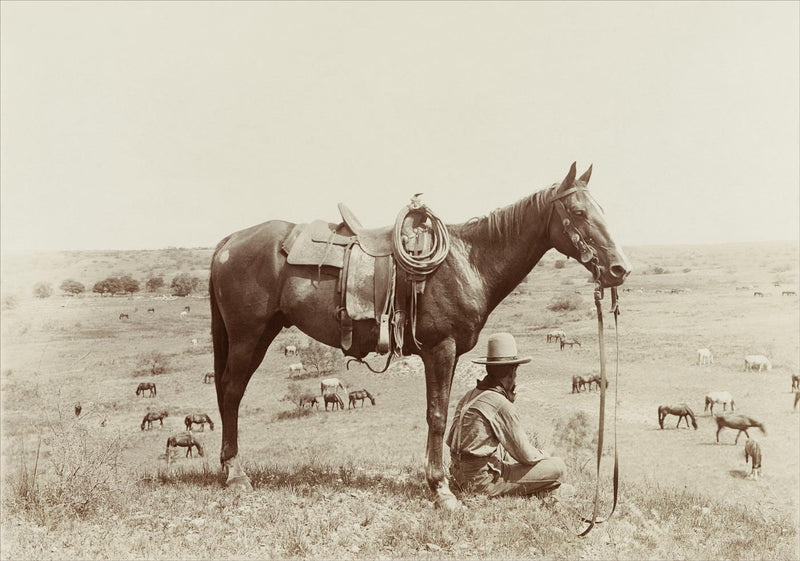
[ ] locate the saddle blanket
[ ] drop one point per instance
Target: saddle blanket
(360, 301)
(308, 244)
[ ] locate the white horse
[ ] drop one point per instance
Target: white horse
(704, 356)
(194, 343)
(296, 367)
(724, 398)
(184, 315)
(289, 350)
(556, 335)
(757, 362)
(331, 385)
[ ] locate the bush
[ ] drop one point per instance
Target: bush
(71, 286)
(43, 290)
(10, 301)
(109, 285)
(154, 283)
(321, 358)
(183, 284)
(565, 303)
(152, 363)
(574, 434)
(560, 263)
(659, 271)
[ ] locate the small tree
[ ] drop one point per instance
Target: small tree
(154, 283)
(152, 363)
(183, 284)
(71, 286)
(43, 290)
(129, 284)
(110, 285)
(321, 358)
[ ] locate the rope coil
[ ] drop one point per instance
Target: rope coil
(427, 262)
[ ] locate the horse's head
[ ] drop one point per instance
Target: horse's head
(577, 228)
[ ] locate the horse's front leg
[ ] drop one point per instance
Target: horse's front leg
(440, 364)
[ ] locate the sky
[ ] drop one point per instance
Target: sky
(146, 125)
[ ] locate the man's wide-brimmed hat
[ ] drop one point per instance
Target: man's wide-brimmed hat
(502, 349)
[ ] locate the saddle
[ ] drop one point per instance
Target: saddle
(363, 259)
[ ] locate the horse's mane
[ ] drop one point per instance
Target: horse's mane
(507, 221)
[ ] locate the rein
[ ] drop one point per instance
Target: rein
(598, 296)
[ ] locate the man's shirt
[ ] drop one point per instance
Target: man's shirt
(491, 420)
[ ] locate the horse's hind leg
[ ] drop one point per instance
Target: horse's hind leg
(245, 354)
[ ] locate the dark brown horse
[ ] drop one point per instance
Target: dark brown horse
(331, 398)
(737, 422)
(151, 416)
(146, 386)
(682, 411)
(200, 419)
(752, 451)
(255, 293)
(186, 440)
(359, 394)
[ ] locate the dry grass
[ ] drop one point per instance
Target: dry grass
(350, 484)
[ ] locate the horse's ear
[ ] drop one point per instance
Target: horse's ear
(587, 174)
(569, 179)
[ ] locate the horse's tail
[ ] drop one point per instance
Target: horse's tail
(219, 337)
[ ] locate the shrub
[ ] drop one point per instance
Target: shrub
(43, 290)
(71, 286)
(687, 270)
(154, 283)
(152, 363)
(183, 284)
(659, 270)
(565, 303)
(296, 413)
(109, 285)
(574, 434)
(560, 263)
(321, 358)
(10, 301)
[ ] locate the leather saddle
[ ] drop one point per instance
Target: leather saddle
(364, 261)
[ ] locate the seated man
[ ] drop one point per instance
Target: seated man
(486, 426)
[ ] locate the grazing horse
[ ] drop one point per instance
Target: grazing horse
(488, 257)
(759, 294)
(187, 309)
(309, 398)
(184, 315)
(795, 382)
(123, 316)
(569, 342)
(683, 412)
(151, 310)
(788, 293)
(208, 378)
(595, 379)
(752, 450)
(724, 398)
(579, 383)
(151, 416)
(556, 335)
(144, 386)
(757, 362)
(296, 367)
(289, 350)
(331, 385)
(704, 356)
(359, 394)
(199, 419)
(185, 439)
(737, 422)
(333, 399)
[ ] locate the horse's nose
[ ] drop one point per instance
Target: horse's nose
(619, 271)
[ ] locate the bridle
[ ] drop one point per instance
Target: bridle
(588, 256)
(581, 241)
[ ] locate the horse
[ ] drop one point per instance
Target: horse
(683, 412)
(759, 294)
(309, 398)
(208, 378)
(788, 293)
(359, 394)
(185, 439)
(569, 342)
(579, 383)
(595, 379)
(124, 316)
(144, 386)
(184, 315)
(297, 367)
(187, 309)
(331, 398)
(752, 450)
(556, 335)
(704, 356)
(151, 416)
(289, 350)
(724, 398)
(487, 258)
(737, 422)
(151, 310)
(78, 409)
(757, 362)
(330, 385)
(795, 382)
(199, 419)
(194, 343)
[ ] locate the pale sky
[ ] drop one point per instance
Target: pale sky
(147, 124)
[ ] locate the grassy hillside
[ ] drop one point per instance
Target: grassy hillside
(350, 484)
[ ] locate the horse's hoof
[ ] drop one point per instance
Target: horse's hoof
(241, 484)
(448, 503)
